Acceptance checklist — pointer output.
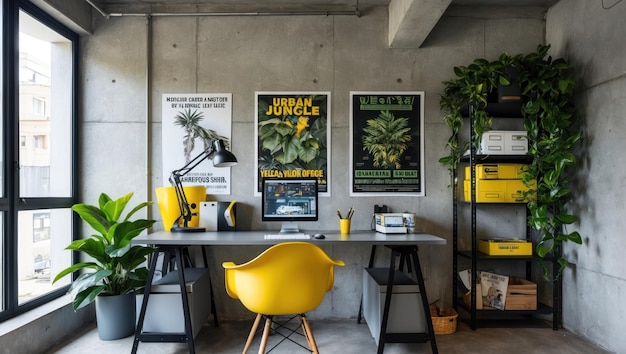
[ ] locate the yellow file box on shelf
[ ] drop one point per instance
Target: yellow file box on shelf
(498, 171)
(506, 247)
(496, 191)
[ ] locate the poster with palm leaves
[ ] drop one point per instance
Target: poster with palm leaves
(190, 122)
(386, 142)
(292, 137)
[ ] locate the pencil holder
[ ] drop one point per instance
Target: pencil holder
(344, 226)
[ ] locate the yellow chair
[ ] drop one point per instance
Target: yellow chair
(289, 278)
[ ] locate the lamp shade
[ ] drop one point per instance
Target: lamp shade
(223, 157)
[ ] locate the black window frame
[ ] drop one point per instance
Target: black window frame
(11, 203)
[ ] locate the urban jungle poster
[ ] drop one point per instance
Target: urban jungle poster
(190, 122)
(292, 137)
(387, 143)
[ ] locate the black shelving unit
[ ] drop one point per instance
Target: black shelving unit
(477, 257)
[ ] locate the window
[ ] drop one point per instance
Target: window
(39, 106)
(38, 110)
(41, 227)
(39, 141)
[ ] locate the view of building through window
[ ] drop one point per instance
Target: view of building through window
(44, 155)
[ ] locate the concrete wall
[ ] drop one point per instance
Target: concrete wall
(121, 145)
(594, 286)
(120, 124)
(247, 54)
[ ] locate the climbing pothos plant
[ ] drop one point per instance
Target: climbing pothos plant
(547, 91)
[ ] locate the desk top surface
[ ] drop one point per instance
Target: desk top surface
(226, 238)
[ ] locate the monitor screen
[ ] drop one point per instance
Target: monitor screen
(287, 200)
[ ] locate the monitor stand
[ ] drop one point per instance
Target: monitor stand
(289, 227)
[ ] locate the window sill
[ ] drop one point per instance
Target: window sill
(26, 318)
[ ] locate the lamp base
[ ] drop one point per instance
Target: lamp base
(188, 229)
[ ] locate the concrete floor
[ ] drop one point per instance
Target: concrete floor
(348, 337)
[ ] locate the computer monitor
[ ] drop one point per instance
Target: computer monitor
(289, 200)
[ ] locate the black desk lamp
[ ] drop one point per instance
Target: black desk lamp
(221, 158)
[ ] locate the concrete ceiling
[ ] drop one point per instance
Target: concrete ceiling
(410, 21)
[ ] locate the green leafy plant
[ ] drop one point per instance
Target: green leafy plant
(116, 265)
(548, 112)
(472, 84)
(549, 120)
(386, 138)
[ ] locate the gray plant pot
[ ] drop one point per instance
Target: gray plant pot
(115, 316)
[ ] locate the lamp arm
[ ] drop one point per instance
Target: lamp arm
(193, 163)
(183, 204)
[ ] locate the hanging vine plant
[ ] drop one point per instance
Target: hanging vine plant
(548, 113)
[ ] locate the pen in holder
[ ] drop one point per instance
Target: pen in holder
(344, 223)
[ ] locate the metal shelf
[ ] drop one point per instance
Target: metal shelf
(475, 256)
(484, 256)
(542, 309)
(498, 158)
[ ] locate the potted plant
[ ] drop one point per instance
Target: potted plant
(115, 272)
(548, 112)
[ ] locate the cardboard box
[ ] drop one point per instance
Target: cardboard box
(496, 247)
(479, 298)
(521, 294)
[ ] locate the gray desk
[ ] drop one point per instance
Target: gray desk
(234, 238)
(402, 245)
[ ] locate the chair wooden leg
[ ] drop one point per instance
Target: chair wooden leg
(308, 333)
(255, 326)
(266, 333)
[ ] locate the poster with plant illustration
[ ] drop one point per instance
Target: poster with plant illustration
(387, 143)
(292, 137)
(190, 122)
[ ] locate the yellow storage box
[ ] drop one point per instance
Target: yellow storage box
(498, 171)
(504, 247)
(496, 191)
(487, 191)
(514, 190)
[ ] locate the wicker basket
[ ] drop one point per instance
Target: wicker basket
(444, 322)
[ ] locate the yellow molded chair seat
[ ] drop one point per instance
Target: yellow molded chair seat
(290, 278)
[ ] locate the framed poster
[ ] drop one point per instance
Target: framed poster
(190, 122)
(292, 137)
(387, 143)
